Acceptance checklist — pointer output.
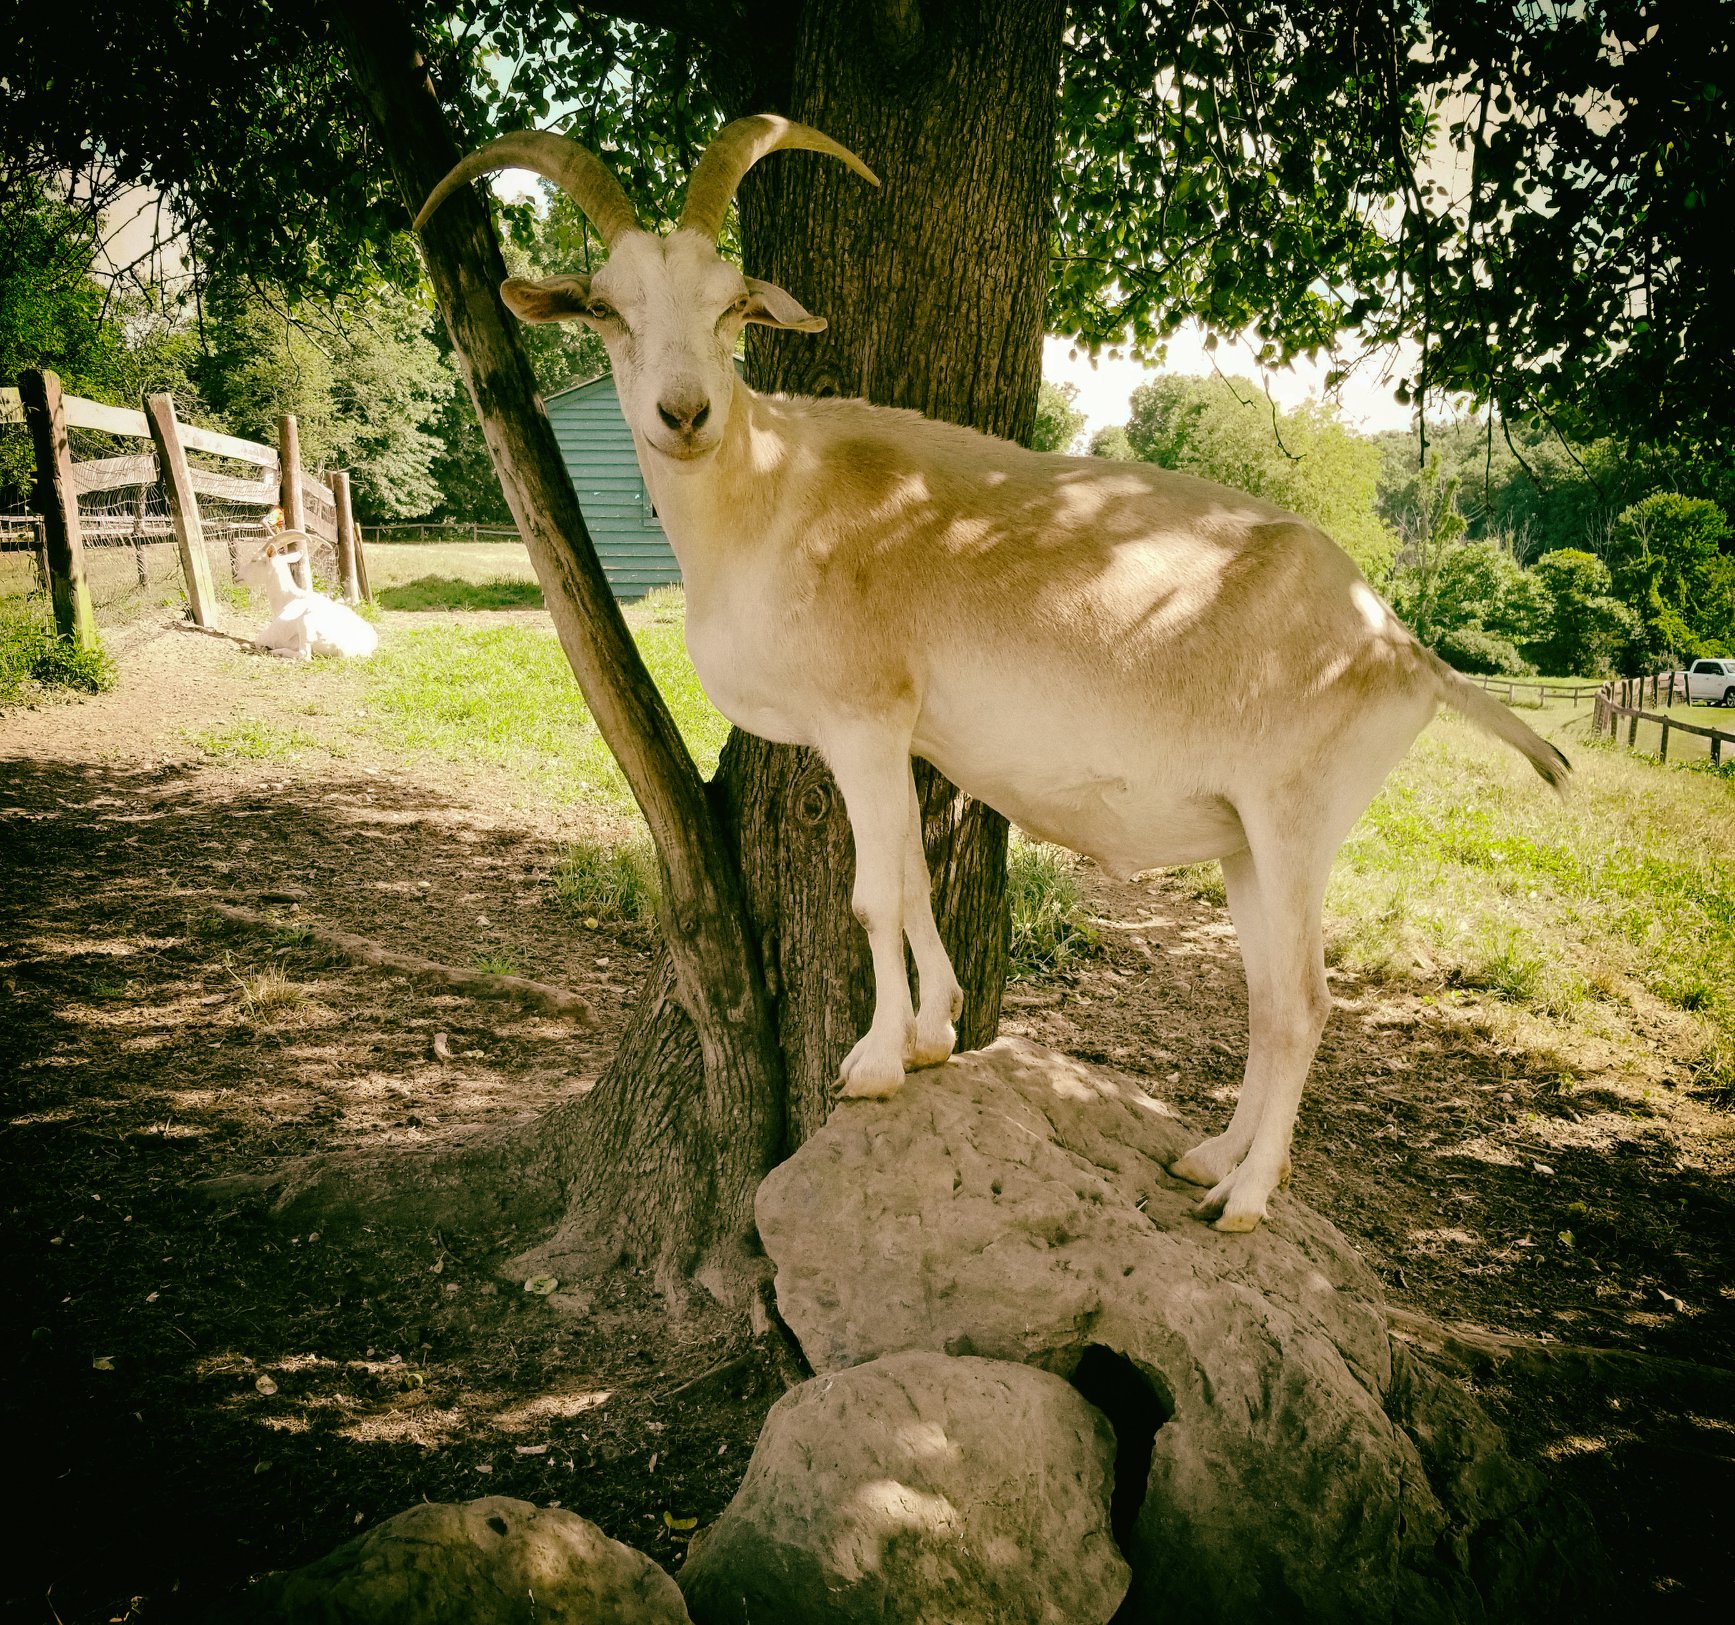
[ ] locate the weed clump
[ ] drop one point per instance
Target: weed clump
(1048, 923)
(33, 655)
(266, 994)
(609, 882)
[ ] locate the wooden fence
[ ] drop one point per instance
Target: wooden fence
(441, 530)
(1543, 690)
(58, 532)
(1630, 704)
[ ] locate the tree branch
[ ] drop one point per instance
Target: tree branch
(725, 25)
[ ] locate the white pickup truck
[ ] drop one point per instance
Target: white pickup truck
(1711, 682)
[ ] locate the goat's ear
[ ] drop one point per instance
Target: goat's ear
(555, 299)
(770, 306)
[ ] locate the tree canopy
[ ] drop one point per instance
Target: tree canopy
(1524, 190)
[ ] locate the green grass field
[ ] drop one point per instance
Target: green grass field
(1466, 879)
(1466, 873)
(452, 575)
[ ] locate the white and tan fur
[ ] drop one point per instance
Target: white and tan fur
(303, 623)
(1142, 666)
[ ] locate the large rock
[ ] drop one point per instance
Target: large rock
(1015, 1204)
(490, 1562)
(917, 1489)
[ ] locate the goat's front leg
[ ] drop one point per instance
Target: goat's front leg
(872, 769)
(942, 998)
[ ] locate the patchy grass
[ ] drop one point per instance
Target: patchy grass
(1047, 905)
(251, 740)
(1466, 872)
(1205, 882)
(498, 964)
(448, 592)
(33, 658)
(609, 882)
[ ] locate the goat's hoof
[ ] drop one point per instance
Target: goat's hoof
(863, 1084)
(868, 1073)
(1209, 1163)
(932, 1050)
(1237, 1204)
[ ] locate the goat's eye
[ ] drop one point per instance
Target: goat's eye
(739, 308)
(601, 310)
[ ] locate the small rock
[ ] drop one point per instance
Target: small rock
(919, 1488)
(284, 894)
(481, 1563)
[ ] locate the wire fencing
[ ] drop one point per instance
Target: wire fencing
(134, 555)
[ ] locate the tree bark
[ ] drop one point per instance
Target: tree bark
(934, 287)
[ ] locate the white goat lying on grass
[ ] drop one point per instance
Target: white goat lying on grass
(1140, 665)
(303, 623)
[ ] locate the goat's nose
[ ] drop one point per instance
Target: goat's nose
(684, 416)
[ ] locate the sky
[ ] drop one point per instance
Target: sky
(1103, 388)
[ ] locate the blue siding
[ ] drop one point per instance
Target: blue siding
(598, 448)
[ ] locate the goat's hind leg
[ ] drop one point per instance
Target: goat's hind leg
(1211, 1161)
(942, 999)
(1280, 895)
(872, 769)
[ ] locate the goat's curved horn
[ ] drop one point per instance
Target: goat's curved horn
(576, 170)
(734, 150)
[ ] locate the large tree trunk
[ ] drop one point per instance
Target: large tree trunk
(934, 288)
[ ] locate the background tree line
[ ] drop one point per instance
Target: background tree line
(1507, 549)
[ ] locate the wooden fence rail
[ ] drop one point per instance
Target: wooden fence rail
(1631, 690)
(1543, 690)
(60, 481)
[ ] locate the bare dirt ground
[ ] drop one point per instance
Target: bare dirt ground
(195, 1396)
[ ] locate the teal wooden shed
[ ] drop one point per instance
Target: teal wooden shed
(598, 448)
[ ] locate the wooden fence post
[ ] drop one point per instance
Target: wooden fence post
(1716, 750)
(1663, 745)
(346, 539)
(57, 499)
(183, 507)
(1633, 730)
(289, 499)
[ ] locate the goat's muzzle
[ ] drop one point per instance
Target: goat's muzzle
(684, 419)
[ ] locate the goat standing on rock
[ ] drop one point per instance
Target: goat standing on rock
(1137, 664)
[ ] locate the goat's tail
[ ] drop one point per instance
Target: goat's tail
(1480, 707)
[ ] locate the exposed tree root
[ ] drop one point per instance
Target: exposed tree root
(477, 984)
(1476, 1350)
(627, 1174)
